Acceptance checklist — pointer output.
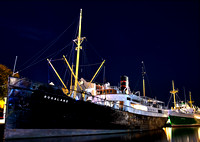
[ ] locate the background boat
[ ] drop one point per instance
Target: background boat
(183, 113)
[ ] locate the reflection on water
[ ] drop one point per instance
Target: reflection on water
(158, 135)
(183, 134)
(168, 134)
(199, 133)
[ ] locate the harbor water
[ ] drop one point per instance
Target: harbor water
(168, 134)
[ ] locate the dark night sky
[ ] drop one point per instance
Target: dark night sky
(163, 34)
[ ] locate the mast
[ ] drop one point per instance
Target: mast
(190, 102)
(174, 93)
(78, 41)
(143, 74)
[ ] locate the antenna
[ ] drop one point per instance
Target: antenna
(14, 66)
(184, 93)
(104, 73)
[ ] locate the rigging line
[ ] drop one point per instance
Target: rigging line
(86, 61)
(57, 52)
(48, 45)
(42, 59)
(137, 77)
(62, 49)
(57, 60)
(77, 28)
(178, 97)
(62, 69)
(184, 93)
(148, 80)
(169, 101)
(138, 81)
(71, 52)
(70, 58)
(44, 52)
(90, 65)
(38, 52)
(104, 73)
(94, 49)
(49, 79)
(65, 74)
(64, 78)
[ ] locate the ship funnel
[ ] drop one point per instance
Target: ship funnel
(124, 84)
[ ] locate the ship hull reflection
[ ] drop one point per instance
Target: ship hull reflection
(183, 134)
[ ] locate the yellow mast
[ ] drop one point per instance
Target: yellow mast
(143, 74)
(80, 40)
(174, 93)
(143, 87)
(190, 102)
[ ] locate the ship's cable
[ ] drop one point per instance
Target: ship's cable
(47, 46)
(95, 50)
(147, 80)
(51, 55)
(169, 101)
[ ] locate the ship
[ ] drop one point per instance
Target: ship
(36, 109)
(183, 113)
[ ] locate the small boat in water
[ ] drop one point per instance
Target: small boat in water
(183, 113)
(42, 110)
